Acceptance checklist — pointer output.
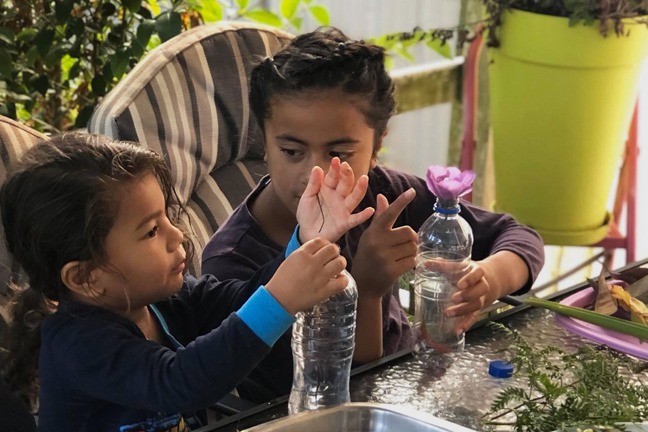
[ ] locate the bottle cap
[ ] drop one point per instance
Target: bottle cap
(500, 369)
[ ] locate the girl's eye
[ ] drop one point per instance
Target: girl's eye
(153, 232)
(290, 152)
(342, 155)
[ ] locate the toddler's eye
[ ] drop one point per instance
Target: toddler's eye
(153, 232)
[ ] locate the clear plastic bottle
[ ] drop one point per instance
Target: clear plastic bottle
(445, 246)
(323, 340)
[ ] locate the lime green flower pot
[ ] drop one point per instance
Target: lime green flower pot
(561, 103)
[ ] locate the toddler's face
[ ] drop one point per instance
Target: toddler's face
(145, 253)
(310, 129)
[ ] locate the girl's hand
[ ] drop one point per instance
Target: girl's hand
(332, 198)
(483, 283)
(474, 292)
(309, 275)
(384, 252)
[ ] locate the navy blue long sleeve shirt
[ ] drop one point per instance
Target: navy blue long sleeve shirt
(98, 372)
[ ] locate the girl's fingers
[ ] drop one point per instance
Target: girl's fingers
(381, 205)
(333, 175)
(403, 250)
(403, 234)
(313, 246)
(314, 183)
(385, 219)
(463, 325)
(335, 267)
(472, 294)
(352, 200)
(470, 279)
(345, 186)
(327, 254)
(358, 218)
(337, 284)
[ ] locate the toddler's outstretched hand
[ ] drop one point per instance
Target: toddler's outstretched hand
(326, 206)
(309, 275)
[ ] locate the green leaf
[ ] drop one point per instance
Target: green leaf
(63, 9)
(404, 53)
(444, 49)
(617, 324)
(43, 41)
(108, 9)
(75, 26)
(155, 7)
(106, 71)
(98, 85)
(7, 35)
(31, 55)
(211, 11)
(74, 70)
(242, 4)
(84, 116)
(67, 63)
(321, 14)
(413, 40)
(39, 83)
(389, 62)
(8, 109)
(289, 7)
(296, 22)
(54, 55)
(144, 31)
(168, 25)
(132, 5)
(119, 62)
(5, 64)
(386, 41)
(264, 17)
(307, 1)
(26, 35)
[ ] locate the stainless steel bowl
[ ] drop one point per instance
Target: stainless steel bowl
(361, 417)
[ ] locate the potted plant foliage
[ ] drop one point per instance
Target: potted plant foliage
(563, 86)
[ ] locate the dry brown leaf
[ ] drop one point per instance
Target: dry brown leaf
(605, 304)
(632, 275)
(638, 310)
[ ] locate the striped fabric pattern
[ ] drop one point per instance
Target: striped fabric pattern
(15, 138)
(188, 100)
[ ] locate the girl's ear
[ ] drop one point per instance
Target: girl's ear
(81, 283)
(377, 147)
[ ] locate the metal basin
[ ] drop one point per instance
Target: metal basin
(361, 417)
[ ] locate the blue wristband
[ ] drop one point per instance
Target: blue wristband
(265, 316)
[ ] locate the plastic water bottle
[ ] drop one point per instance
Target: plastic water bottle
(445, 245)
(323, 340)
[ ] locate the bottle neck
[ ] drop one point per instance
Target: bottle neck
(447, 207)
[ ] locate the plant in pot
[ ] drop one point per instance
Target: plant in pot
(563, 85)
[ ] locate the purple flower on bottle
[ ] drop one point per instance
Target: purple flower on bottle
(449, 183)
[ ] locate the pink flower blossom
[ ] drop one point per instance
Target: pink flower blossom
(449, 183)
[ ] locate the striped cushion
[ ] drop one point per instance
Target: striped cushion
(188, 100)
(217, 196)
(14, 140)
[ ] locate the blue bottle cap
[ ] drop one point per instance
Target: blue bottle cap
(500, 369)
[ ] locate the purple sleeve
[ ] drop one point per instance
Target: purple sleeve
(397, 332)
(493, 232)
(496, 232)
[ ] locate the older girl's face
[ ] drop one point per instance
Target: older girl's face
(310, 129)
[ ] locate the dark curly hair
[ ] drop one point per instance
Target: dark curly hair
(58, 206)
(321, 60)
